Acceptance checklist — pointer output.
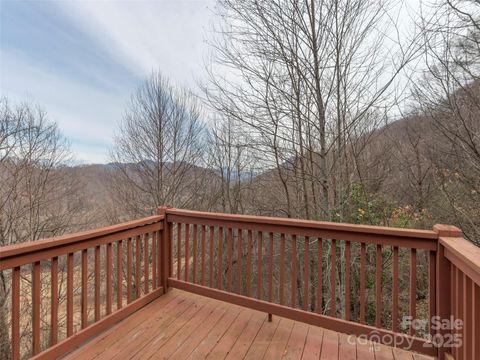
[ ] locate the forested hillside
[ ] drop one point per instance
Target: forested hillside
(328, 110)
(408, 184)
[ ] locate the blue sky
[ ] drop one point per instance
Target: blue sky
(81, 60)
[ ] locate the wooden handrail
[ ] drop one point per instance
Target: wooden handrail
(311, 224)
(30, 252)
(464, 255)
(409, 238)
(44, 244)
(210, 253)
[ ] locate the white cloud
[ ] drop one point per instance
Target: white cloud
(85, 114)
(139, 35)
(146, 36)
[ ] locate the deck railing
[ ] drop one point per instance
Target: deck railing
(291, 268)
(38, 266)
(301, 249)
(458, 293)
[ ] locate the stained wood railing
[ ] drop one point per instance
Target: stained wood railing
(132, 252)
(458, 279)
(360, 280)
(232, 258)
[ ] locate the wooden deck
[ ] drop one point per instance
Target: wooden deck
(181, 325)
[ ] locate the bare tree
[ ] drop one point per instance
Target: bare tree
(158, 150)
(449, 96)
(310, 81)
(37, 197)
(230, 158)
(306, 79)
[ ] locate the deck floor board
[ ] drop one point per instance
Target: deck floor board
(181, 325)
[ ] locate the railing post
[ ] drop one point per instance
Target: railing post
(443, 281)
(165, 243)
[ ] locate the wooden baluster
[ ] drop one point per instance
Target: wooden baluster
(249, 262)
(363, 253)
(319, 275)
(187, 251)
(461, 312)
(220, 258)
(293, 300)
(162, 267)
(84, 288)
(432, 290)
(468, 326)
(476, 321)
(36, 289)
(16, 313)
(129, 270)
(154, 260)
(259, 264)
(194, 275)
(54, 301)
(203, 255)
(347, 279)
(270, 270)
(138, 263)
(239, 261)
(119, 275)
(378, 286)
(395, 290)
(333, 278)
(169, 245)
(306, 275)
(179, 250)
(454, 302)
(165, 255)
(211, 235)
(146, 267)
(109, 279)
(97, 283)
(282, 270)
(413, 287)
(229, 259)
(69, 294)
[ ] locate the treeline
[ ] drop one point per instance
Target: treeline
(298, 115)
(296, 119)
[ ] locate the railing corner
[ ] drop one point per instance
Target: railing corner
(447, 230)
(162, 210)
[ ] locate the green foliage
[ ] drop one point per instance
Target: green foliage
(358, 206)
